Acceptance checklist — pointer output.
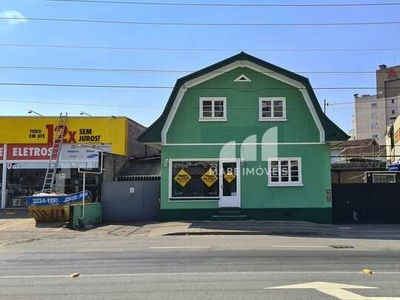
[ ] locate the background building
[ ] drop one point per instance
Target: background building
(374, 112)
(26, 142)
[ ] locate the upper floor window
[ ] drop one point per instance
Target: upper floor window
(212, 109)
(272, 109)
(374, 104)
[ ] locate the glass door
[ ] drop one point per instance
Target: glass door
(229, 183)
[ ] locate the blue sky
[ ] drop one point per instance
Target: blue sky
(145, 105)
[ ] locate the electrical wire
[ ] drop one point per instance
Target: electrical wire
(72, 85)
(123, 70)
(182, 24)
(123, 105)
(198, 49)
(257, 5)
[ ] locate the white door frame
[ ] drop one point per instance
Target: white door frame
(229, 201)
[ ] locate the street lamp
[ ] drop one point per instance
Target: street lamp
(85, 113)
(34, 112)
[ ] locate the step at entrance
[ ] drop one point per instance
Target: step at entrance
(229, 214)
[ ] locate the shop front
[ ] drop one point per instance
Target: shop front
(26, 143)
(24, 168)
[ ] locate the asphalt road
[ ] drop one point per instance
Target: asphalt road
(173, 269)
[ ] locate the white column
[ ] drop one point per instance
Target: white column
(4, 182)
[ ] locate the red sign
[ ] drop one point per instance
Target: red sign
(392, 74)
(28, 152)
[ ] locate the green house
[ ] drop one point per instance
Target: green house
(244, 134)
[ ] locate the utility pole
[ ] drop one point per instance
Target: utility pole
(326, 104)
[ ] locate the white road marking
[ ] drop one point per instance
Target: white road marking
(199, 274)
(180, 247)
(336, 290)
(299, 246)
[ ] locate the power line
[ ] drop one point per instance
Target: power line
(198, 49)
(78, 104)
(72, 85)
(119, 105)
(124, 70)
(225, 4)
(92, 21)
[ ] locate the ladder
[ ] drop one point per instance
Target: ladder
(54, 155)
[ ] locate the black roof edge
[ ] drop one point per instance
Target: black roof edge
(341, 135)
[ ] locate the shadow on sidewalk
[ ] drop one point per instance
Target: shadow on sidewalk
(19, 213)
(293, 229)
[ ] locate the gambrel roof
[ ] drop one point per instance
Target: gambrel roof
(332, 131)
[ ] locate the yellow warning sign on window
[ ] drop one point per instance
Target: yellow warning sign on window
(182, 178)
(229, 176)
(209, 178)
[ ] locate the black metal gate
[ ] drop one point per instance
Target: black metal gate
(366, 203)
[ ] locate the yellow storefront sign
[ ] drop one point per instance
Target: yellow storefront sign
(78, 130)
(209, 178)
(182, 178)
(229, 177)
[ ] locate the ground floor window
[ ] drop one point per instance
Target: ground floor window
(194, 179)
(284, 171)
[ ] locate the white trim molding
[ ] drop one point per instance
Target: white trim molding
(227, 68)
(243, 144)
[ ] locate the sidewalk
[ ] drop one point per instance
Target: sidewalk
(18, 226)
(285, 228)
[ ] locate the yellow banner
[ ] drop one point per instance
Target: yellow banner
(79, 130)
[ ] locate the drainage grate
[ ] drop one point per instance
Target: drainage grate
(342, 247)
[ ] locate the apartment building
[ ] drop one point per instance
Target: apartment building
(374, 112)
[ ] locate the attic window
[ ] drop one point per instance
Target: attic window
(212, 109)
(242, 78)
(272, 109)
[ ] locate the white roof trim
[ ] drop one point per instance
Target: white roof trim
(227, 68)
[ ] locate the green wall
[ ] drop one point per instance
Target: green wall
(242, 111)
(299, 132)
(255, 192)
(93, 214)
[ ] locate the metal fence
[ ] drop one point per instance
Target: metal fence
(368, 203)
(130, 201)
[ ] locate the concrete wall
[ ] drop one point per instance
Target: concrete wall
(112, 165)
(135, 148)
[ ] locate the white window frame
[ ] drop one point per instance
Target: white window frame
(213, 100)
(285, 183)
(272, 118)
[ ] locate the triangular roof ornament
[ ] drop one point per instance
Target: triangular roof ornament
(242, 78)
